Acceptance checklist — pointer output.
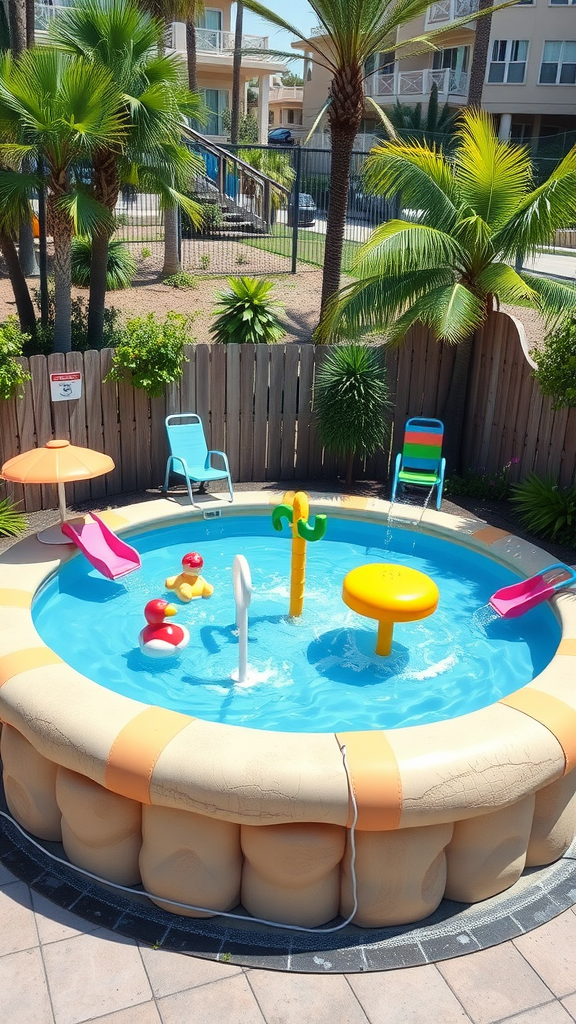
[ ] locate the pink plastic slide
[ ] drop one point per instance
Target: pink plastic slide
(106, 552)
(510, 602)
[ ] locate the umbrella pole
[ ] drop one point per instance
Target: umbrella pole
(62, 502)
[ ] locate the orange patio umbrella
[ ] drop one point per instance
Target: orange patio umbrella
(57, 462)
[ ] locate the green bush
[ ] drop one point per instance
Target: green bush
(151, 353)
(12, 522)
(13, 376)
(212, 217)
(545, 509)
(43, 342)
(245, 314)
(556, 365)
(120, 264)
(478, 483)
(350, 400)
(180, 280)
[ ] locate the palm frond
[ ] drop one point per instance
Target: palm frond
(453, 312)
(420, 174)
(542, 212)
(85, 212)
(554, 300)
(399, 246)
(492, 176)
(501, 280)
(371, 305)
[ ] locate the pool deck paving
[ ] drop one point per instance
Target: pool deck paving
(56, 968)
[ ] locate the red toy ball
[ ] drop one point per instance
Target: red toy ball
(192, 560)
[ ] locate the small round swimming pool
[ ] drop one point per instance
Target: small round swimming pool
(318, 673)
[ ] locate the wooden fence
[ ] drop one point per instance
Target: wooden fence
(256, 404)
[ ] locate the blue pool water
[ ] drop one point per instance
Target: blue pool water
(315, 674)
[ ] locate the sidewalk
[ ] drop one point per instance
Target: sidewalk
(57, 969)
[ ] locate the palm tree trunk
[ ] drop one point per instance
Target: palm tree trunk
(17, 22)
(106, 191)
(342, 145)
(24, 305)
(480, 55)
(62, 236)
(30, 22)
(345, 115)
(191, 56)
(171, 258)
(236, 65)
(97, 300)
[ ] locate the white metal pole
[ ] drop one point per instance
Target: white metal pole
(242, 593)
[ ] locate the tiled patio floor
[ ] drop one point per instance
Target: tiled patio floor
(57, 969)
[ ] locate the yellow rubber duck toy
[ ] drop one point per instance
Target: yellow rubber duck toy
(189, 584)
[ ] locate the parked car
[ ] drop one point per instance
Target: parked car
(306, 211)
(281, 137)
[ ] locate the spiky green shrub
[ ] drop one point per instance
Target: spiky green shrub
(151, 353)
(556, 365)
(350, 400)
(245, 315)
(546, 509)
(12, 522)
(12, 375)
(120, 265)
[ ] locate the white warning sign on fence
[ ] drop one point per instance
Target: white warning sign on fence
(65, 386)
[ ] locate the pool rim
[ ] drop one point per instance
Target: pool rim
(516, 746)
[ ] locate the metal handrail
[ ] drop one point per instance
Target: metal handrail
(225, 154)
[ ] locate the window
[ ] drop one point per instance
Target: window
(562, 3)
(558, 63)
(216, 100)
(508, 61)
(270, 117)
(454, 57)
(290, 114)
(381, 62)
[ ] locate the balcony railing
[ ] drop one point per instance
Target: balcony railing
(210, 40)
(284, 93)
(207, 40)
(44, 12)
(449, 10)
(408, 84)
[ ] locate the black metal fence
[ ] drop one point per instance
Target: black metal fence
(251, 227)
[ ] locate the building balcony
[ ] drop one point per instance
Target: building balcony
(287, 94)
(417, 85)
(445, 11)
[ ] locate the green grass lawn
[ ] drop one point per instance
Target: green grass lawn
(310, 245)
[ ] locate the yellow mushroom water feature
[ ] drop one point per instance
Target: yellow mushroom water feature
(389, 594)
(296, 515)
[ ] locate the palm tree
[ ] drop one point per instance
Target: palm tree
(119, 37)
(167, 11)
(21, 19)
(480, 54)
(236, 69)
(410, 122)
(351, 33)
(59, 109)
(450, 264)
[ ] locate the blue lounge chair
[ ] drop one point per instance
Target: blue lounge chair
(420, 462)
(189, 452)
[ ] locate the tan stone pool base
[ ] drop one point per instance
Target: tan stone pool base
(213, 815)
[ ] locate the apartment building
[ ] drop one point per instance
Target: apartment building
(530, 82)
(215, 49)
(286, 103)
